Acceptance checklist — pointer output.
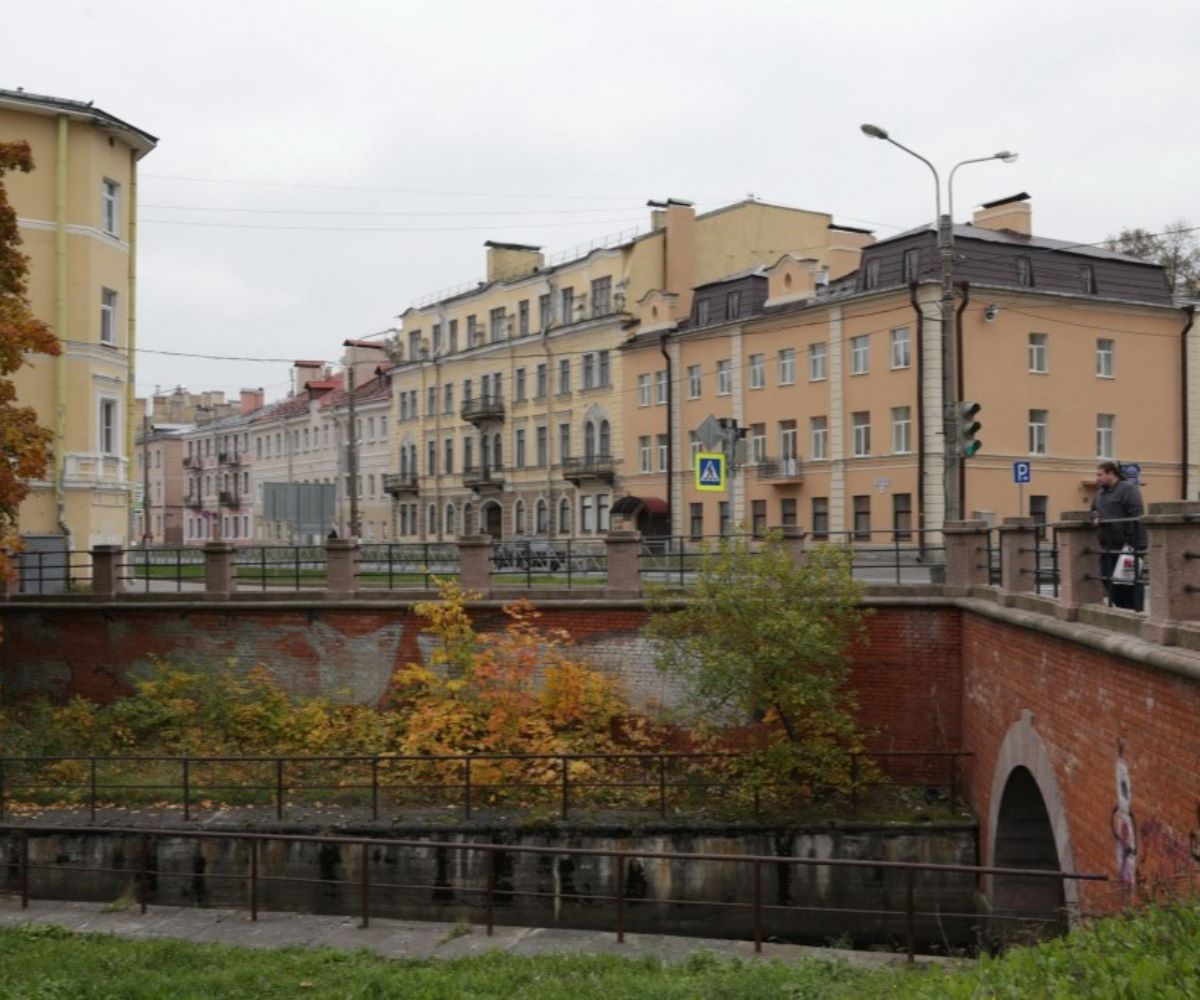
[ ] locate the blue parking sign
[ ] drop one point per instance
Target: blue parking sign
(1022, 472)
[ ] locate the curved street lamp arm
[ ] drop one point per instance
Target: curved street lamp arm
(937, 181)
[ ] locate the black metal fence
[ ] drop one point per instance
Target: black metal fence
(400, 565)
(547, 562)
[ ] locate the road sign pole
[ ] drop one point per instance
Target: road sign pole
(1020, 500)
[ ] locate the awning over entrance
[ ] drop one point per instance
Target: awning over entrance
(628, 506)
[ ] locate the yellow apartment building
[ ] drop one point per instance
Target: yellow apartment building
(510, 395)
(78, 222)
(1074, 353)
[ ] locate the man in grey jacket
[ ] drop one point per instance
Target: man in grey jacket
(1116, 512)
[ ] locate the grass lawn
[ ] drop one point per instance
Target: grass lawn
(1153, 954)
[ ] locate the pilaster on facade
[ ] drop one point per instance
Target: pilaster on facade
(739, 482)
(837, 424)
(1192, 416)
(933, 431)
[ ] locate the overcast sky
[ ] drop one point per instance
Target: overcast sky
(289, 130)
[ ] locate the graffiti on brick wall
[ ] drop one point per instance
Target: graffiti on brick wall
(1124, 827)
(1163, 855)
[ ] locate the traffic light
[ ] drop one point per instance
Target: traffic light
(968, 428)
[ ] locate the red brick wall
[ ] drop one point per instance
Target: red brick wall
(1084, 704)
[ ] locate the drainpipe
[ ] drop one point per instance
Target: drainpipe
(920, 374)
(958, 376)
(551, 507)
(662, 346)
(131, 353)
(1190, 312)
(60, 324)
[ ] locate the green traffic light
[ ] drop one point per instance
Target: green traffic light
(971, 447)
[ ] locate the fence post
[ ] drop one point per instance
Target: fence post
(620, 899)
(491, 890)
(622, 549)
(662, 786)
(24, 869)
(341, 566)
(1078, 564)
(187, 796)
(475, 563)
(92, 788)
(911, 919)
(253, 879)
(467, 787)
(279, 788)
(758, 932)
(366, 886)
(566, 793)
(144, 873)
(1019, 562)
(10, 585)
(106, 570)
(219, 579)
(966, 556)
(1173, 530)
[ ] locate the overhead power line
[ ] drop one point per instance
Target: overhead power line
(375, 229)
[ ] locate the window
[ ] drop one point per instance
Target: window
(542, 444)
(567, 299)
(605, 439)
(448, 398)
(787, 366)
(694, 382)
(821, 516)
(1038, 421)
(1038, 506)
(474, 335)
(497, 323)
(431, 525)
(702, 312)
(519, 517)
(108, 316)
(449, 456)
(543, 312)
(758, 443)
(724, 378)
(787, 439)
(1039, 352)
(539, 517)
(371, 484)
(430, 401)
(519, 436)
(436, 330)
(693, 446)
(604, 369)
(862, 517)
(901, 430)
(643, 390)
(468, 454)
(110, 207)
(758, 517)
(861, 422)
(1105, 358)
(497, 454)
(542, 383)
(383, 430)
(585, 515)
(523, 318)
(816, 362)
(1106, 434)
(733, 305)
(449, 522)
(696, 520)
(758, 371)
(564, 376)
(912, 263)
(902, 516)
(453, 348)
(661, 387)
(1087, 279)
(644, 453)
(724, 521)
(819, 431)
(860, 355)
(871, 275)
(589, 371)
(602, 520)
(564, 516)
(661, 445)
(787, 512)
(431, 459)
(1025, 272)
(601, 296)
(108, 427)
(901, 351)
(564, 442)
(519, 386)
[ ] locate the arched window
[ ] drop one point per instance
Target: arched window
(468, 519)
(564, 516)
(519, 517)
(403, 463)
(589, 439)
(540, 518)
(431, 526)
(449, 519)
(497, 454)
(605, 439)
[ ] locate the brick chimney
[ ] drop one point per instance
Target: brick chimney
(506, 261)
(251, 400)
(1013, 213)
(679, 253)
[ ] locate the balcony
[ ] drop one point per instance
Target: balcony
(576, 470)
(483, 479)
(781, 471)
(482, 410)
(230, 499)
(400, 483)
(191, 461)
(194, 501)
(230, 458)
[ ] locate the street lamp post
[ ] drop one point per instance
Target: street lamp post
(945, 244)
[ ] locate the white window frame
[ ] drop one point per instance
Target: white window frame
(819, 433)
(724, 378)
(787, 366)
(1039, 432)
(108, 316)
(1106, 357)
(108, 436)
(789, 442)
(644, 453)
(901, 430)
(860, 354)
(110, 207)
(661, 445)
(695, 381)
(758, 443)
(1106, 435)
(861, 433)
(1039, 353)
(817, 361)
(901, 341)
(758, 371)
(643, 389)
(662, 387)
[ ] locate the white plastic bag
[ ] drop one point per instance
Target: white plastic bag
(1125, 570)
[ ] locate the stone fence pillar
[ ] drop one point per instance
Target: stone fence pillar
(622, 549)
(475, 563)
(9, 585)
(219, 569)
(966, 556)
(341, 566)
(1173, 562)
(1018, 570)
(1078, 564)
(106, 570)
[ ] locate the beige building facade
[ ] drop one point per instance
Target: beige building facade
(78, 222)
(1075, 354)
(510, 396)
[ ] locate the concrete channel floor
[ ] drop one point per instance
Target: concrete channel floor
(398, 939)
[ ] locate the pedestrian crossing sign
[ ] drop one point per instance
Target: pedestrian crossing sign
(710, 472)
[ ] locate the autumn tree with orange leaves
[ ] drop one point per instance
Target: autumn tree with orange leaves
(24, 445)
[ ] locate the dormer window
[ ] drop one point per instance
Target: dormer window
(733, 305)
(871, 275)
(1025, 272)
(1087, 279)
(912, 261)
(702, 307)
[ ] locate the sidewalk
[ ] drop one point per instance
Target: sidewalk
(398, 939)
